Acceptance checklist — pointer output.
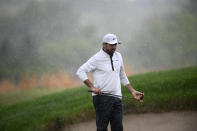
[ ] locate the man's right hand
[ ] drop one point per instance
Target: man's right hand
(92, 88)
(96, 90)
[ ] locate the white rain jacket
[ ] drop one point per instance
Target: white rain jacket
(108, 73)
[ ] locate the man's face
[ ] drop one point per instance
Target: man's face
(109, 48)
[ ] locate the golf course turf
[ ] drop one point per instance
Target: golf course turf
(170, 90)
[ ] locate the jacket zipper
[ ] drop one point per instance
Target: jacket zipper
(112, 66)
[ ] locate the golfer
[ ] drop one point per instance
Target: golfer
(108, 73)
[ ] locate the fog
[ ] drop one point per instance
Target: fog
(44, 35)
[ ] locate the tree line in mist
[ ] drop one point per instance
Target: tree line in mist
(44, 36)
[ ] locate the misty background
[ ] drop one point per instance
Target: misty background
(38, 36)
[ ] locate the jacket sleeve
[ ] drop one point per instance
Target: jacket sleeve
(89, 66)
(123, 77)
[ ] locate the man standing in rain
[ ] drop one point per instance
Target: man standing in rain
(108, 73)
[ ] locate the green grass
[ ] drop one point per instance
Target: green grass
(164, 91)
(21, 95)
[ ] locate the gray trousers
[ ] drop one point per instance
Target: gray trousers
(108, 109)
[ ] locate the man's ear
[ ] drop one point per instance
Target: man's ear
(104, 44)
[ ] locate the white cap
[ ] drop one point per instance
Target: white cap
(110, 39)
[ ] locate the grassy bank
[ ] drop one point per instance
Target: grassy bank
(21, 95)
(164, 91)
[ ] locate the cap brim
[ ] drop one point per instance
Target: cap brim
(114, 43)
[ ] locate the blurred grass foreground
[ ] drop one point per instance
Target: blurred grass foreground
(171, 90)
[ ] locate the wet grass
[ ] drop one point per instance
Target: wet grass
(21, 95)
(164, 91)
